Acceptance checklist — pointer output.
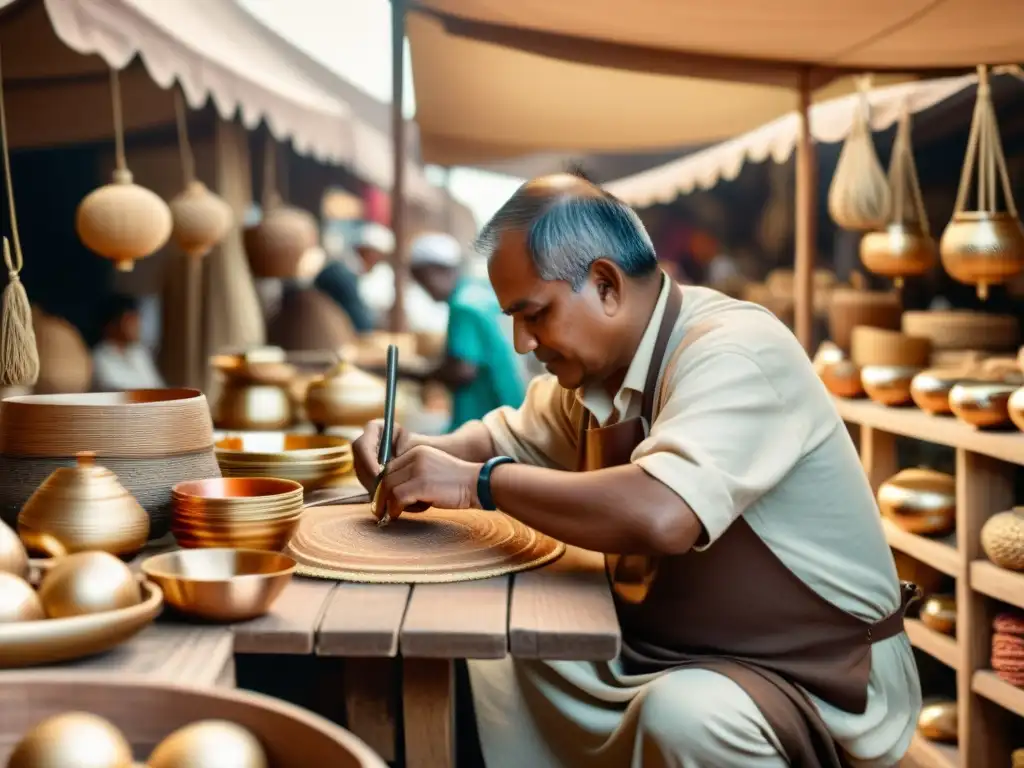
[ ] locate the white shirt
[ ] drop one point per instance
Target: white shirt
(743, 426)
(422, 313)
(117, 368)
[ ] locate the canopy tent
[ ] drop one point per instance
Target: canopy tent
(830, 122)
(57, 54)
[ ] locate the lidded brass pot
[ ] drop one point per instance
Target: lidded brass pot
(13, 557)
(345, 396)
(256, 393)
(920, 501)
(85, 508)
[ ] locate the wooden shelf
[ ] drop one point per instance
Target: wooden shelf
(944, 430)
(930, 754)
(935, 644)
(940, 554)
(998, 583)
(988, 684)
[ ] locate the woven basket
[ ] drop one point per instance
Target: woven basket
(963, 329)
(850, 308)
(878, 346)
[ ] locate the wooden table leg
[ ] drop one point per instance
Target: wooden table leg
(428, 688)
(371, 692)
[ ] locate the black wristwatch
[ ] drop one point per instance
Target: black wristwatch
(483, 482)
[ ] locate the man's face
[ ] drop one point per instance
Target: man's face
(436, 280)
(570, 332)
(129, 327)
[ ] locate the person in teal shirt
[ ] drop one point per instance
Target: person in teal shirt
(480, 367)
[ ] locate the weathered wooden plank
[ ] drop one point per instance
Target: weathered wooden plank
(468, 620)
(564, 611)
(363, 620)
(291, 625)
(428, 697)
(371, 702)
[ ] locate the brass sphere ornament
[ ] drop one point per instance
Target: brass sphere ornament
(18, 601)
(123, 221)
(88, 582)
(72, 740)
(201, 219)
(209, 744)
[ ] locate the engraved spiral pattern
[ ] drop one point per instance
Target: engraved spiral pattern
(439, 545)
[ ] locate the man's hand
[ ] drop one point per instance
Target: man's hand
(364, 451)
(424, 477)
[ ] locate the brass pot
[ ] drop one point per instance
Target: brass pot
(898, 252)
(262, 365)
(345, 397)
(253, 407)
(888, 384)
(983, 249)
(13, 557)
(842, 379)
(982, 404)
(920, 501)
(1015, 407)
(930, 389)
(938, 613)
(938, 721)
(85, 508)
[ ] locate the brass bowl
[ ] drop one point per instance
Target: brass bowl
(930, 389)
(221, 585)
(938, 721)
(920, 501)
(898, 252)
(938, 613)
(146, 712)
(265, 365)
(1015, 408)
(983, 249)
(248, 513)
(888, 384)
(256, 407)
(842, 379)
(268, 537)
(312, 460)
(983, 404)
(49, 641)
(236, 492)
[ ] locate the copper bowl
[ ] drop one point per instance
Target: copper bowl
(1015, 407)
(920, 501)
(888, 384)
(898, 252)
(982, 404)
(312, 460)
(983, 249)
(220, 584)
(938, 613)
(842, 379)
(930, 389)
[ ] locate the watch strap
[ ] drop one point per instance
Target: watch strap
(483, 482)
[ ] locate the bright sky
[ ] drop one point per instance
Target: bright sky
(353, 37)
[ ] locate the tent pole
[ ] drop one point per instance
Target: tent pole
(398, 261)
(806, 224)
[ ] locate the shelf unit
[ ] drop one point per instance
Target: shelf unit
(985, 467)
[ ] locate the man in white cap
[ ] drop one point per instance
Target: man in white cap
(480, 366)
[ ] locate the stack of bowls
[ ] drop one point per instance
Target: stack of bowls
(312, 460)
(239, 513)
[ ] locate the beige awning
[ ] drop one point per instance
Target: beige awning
(831, 122)
(504, 79)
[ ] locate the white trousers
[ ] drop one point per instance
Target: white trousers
(583, 715)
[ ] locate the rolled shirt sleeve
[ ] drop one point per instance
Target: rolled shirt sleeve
(723, 437)
(542, 431)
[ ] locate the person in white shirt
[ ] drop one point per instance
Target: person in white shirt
(121, 361)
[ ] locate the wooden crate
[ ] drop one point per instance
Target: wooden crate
(990, 711)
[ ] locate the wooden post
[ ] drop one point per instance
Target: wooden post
(398, 261)
(806, 225)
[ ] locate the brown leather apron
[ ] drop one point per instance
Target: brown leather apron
(736, 609)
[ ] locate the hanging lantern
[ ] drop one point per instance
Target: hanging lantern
(277, 245)
(859, 198)
(123, 222)
(986, 246)
(905, 248)
(201, 219)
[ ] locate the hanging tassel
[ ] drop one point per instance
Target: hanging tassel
(19, 356)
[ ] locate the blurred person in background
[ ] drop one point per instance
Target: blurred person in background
(121, 361)
(481, 367)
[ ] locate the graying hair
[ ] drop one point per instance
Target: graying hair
(567, 232)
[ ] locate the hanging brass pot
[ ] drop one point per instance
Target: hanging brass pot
(276, 246)
(984, 247)
(905, 248)
(201, 219)
(859, 198)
